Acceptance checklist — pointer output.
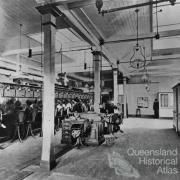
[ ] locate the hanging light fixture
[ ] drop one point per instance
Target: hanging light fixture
(146, 80)
(19, 66)
(147, 87)
(99, 5)
(63, 79)
(61, 58)
(30, 50)
(41, 20)
(20, 35)
(172, 2)
(85, 64)
(157, 36)
(138, 59)
(145, 77)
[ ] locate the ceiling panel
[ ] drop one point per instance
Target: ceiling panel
(116, 25)
(111, 26)
(119, 23)
(12, 14)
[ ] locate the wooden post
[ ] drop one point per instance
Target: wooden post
(97, 80)
(115, 85)
(47, 156)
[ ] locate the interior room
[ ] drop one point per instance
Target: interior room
(89, 89)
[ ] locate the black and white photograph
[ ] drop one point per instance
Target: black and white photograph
(89, 89)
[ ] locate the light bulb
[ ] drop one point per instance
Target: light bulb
(99, 5)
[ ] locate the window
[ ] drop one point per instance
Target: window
(164, 100)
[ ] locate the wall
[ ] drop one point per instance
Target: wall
(166, 83)
(138, 90)
(159, 84)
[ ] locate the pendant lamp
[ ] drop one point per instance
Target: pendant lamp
(138, 59)
(30, 50)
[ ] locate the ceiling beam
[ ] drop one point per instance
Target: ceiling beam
(90, 24)
(81, 78)
(152, 35)
(83, 3)
(74, 4)
(165, 52)
(71, 4)
(76, 26)
(73, 69)
(133, 6)
(81, 28)
(156, 73)
(74, 21)
(159, 58)
(60, 23)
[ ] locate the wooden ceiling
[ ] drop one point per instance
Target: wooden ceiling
(111, 26)
(16, 12)
(122, 24)
(119, 23)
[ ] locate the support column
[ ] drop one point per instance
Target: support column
(125, 96)
(47, 156)
(115, 85)
(97, 80)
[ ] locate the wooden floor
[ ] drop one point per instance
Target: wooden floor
(114, 162)
(105, 162)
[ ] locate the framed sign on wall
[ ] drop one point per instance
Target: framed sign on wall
(29, 93)
(9, 92)
(20, 93)
(142, 102)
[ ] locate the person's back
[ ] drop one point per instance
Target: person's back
(156, 105)
(103, 108)
(59, 109)
(156, 108)
(109, 108)
(28, 112)
(78, 107)
(17, 106)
